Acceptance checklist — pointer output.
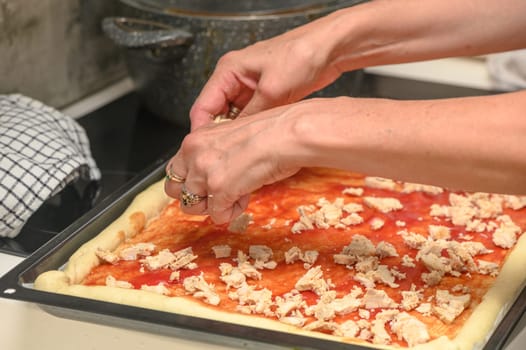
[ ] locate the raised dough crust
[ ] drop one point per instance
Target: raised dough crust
(496, 301)
(149, 204)
(145, 206)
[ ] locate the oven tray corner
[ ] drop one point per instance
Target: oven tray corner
(17, 284)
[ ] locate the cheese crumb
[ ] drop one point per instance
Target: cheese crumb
(240, 224)
(384, 205)
(313, 281)
(505, 235)
(408, 261)
(199, 288)
(412, 187)
(380, 183)
(377, 298)
(113, 282)
(385, 249)
(410, 329)
(353, 191)
(448, 307)
(377, 223)
(158, 289)
(139, 249)
(222, 251)
(439, 232)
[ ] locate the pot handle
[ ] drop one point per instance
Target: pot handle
(138, 33)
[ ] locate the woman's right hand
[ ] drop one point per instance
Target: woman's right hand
(270, 73)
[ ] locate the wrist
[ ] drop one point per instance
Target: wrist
(350, 39)
(315, 130)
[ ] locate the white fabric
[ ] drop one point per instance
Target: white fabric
(508, 70)
(41, 151)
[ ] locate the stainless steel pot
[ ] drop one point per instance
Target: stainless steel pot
(172, 46)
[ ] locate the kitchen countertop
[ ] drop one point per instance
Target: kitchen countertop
(470, 72)
(25, 326)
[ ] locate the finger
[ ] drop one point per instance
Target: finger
(193, 202)
(175, 176)
(171, 175)
(242, 100)
(208, 104)
(258, 103)
(173, 189)
(234, 196)
(266, 96)
(189, 189)
(222, 212)
(222, 89)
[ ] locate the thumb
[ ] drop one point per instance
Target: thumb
(258, 103)
(230, 211)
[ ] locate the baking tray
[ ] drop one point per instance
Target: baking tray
(18, 284)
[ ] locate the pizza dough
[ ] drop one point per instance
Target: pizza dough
(471, 331)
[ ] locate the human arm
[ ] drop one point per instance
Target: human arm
(288, 67)
(474, 143)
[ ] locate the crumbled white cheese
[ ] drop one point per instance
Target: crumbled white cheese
(222, 251)
(199, 288)
(410, 299)
(260, 252)
(412, 187)
(439, 232)
(505, 236)
(385, 249)
(258, 301)
(488, 267)
(424, 309)
(107, 256)
(289, 302)
(113, 282)
(377, 298)
(380, 183)
(158, 289)
(353, 191)
(400, 223)
(410, 329)
(139, 249)
(240, 224)
(412, 239)
(515, 202)
(359, 246)
(384, 205)
(377, 223)
(449, 306)
(231, 276)
(166, 259)
(408, 261)
(313, 280)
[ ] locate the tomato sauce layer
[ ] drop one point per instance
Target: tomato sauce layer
(274, 210)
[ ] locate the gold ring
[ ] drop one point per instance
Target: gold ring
(233, 112)
(188, 198)
(171, 176)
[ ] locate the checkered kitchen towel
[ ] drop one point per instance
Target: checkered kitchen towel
(41, 151)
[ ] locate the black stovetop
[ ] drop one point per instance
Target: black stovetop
(126, 139)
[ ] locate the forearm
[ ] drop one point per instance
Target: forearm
(475, 144)
(387, 31)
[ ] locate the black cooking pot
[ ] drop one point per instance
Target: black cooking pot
(173, 45)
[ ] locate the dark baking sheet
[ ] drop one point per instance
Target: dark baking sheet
(18, 284)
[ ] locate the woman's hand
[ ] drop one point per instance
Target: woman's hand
(270, 73)
(223, 163)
